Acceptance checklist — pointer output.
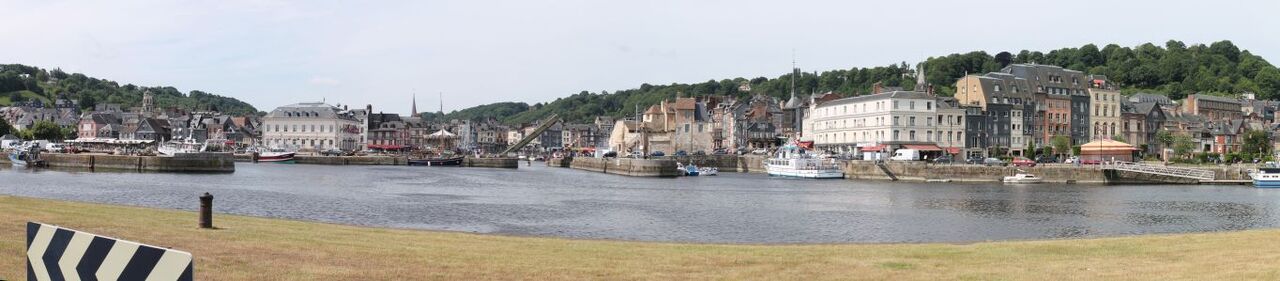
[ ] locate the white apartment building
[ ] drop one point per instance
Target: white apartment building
(874, 121)
(311, 126)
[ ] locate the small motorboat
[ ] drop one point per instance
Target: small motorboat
(440, 161)
(1023, 178)
(708, 171)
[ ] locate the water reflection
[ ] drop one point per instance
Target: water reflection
(734, 208)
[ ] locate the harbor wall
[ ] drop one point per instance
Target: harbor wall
(194, 162)
(502, 162)
(921, 171)
(349, 160)
(626, 166)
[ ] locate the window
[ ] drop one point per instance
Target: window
(895, 120)
(911, 105)
(895, 104)
(928, 105)
(912, 121)
(997, 88)
(895, 135)
(912, 135)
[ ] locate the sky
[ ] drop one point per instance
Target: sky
(466, 53)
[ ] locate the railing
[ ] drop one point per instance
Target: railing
(1159, 170)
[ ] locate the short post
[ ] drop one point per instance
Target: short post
(206, 210)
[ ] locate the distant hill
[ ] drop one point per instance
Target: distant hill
(1174, 69)
(30, 83)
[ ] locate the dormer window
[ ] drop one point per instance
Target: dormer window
(997, 88)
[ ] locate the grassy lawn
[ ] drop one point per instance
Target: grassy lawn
(247, 248)
(4, 97)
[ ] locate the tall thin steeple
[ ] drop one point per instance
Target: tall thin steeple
(441, 103)
(413, 112)
(793, 74)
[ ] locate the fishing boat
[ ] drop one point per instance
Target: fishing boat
(437, 161)
(1023, 178)
(176, 147)
(1267, 176)
(792, 161)
(27, 156)
(276, 156)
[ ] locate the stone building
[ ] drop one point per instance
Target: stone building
(311, 126)
(1214, 108)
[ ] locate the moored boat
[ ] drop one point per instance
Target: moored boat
(26, 156)
(440, 161)
(1023, 178)
(688, 170)
(276, 156)
(1267, 176)
(792, 161)
(708, 171)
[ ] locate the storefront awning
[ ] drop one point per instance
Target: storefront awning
(923, 147)
(953, 150)
(873, 148)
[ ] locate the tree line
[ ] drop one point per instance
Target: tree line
(50, 85)
(1175, 69)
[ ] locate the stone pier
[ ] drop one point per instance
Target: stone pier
(191, 162)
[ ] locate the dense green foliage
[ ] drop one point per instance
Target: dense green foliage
(45, 130)
(25, 82)
(5, 128)
(1174, 69)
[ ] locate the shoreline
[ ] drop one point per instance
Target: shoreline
(254, 247)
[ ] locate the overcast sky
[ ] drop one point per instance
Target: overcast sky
(271, 53)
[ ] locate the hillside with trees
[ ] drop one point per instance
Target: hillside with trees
(20, 83)
(1174, 69)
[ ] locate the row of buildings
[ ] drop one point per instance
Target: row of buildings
(144, 124)
(1026, 106)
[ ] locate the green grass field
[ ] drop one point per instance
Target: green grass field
(248, 248)
(4, 97)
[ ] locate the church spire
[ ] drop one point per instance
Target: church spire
(413, 112)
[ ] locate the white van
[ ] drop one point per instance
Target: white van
(906, 155)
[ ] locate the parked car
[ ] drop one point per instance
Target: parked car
(700, 153)
(760, 151)
(657, 154)
(976, 160)
(992, 161)
(53, 147)
(637, 155)
(679, 153)
(611, 154)
(1046, 159)
(944, 159)
(1071, 160)
(1023, 162)
(719, 151)
(331, 152)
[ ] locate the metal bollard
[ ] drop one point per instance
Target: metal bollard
(206, 210)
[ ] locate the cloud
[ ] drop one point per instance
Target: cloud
(323, 81)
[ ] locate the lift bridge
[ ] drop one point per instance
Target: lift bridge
(546, 123)
(1186, 173)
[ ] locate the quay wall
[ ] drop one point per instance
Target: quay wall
(921, 171)
(501, 162)
(195, 162)
(626, 166)
(350, 160)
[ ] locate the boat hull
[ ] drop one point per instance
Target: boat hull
(456, 161)
(1266, 183)
(13, 159)
(807, 174)
(284, 158)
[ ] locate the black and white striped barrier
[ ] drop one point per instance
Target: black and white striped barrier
(56, 253)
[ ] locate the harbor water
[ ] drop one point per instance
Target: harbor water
(729, 208)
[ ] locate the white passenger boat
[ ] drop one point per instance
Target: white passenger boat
(1267, 176)
(708, 171)
(1023, 178)
(175, 147)
(792, 161)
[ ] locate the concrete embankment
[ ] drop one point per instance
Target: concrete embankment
(502, 162)
(921, 171)
(725, 163)
(193, 162)
(620, 166)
